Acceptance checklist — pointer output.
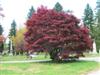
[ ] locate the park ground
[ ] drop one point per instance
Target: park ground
(47, 68)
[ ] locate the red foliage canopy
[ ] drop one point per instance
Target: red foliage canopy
(48, 29)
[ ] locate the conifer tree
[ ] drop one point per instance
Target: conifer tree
(13, 29)
(88, 17)
(58, 7)
(31, 11)
(1, 30)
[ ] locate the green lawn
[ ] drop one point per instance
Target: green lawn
(39, 57)
(48, 68)
(20, 57)
(92, 55)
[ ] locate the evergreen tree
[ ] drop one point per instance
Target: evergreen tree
(1, 15)
(98, 4)
(97, 28)
(1, 9)
(58, 7)
(88, 17)
(31, 11)
(69, 11)
(1, 30)
(12, 35)
(13, 29)
(98, 12)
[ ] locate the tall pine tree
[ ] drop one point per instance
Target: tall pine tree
(1, 15)
(98, 12)
(1, 40)
(58, 7)
(88, 17)
(1, 9)
(12, 35)
(31, 11)
(13, 29)
(97, 28)
(1, 30)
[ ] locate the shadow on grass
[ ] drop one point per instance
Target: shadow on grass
(61, 62)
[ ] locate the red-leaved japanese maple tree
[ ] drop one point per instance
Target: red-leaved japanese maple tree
(57, 33)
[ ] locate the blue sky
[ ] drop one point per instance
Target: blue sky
(18, 9)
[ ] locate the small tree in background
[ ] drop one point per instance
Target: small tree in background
(1, 40)
(13, 29)
(57, 33)
(1, 9)
(31, 11)
(58, 7)
(97, 27)
(69, 11)
(1, 30)
(1, 15)
(1, 43)
(96, 34)
(88, 17)
(19, 41)
(98, 13)
(12, 35)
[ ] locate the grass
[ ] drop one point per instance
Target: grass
(22, 57)
(48, 68)
(39, 57)
(92, 55)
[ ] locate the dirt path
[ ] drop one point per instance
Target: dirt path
(97, 59)
(96, 72)
(24, 61)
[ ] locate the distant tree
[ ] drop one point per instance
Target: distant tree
(13, 29)
(69, 11)
(1, 9)
(58, 7)
(2, 15)
(1, 43)
(31, 11)
(12, 34)
(98, 17)
(1, 30)
(98, 13)
(96, 34)
(88, 17)
(19, 44)
(97, 28)
(57, 33)
(98, 4)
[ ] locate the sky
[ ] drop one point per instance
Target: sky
(18, 9)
